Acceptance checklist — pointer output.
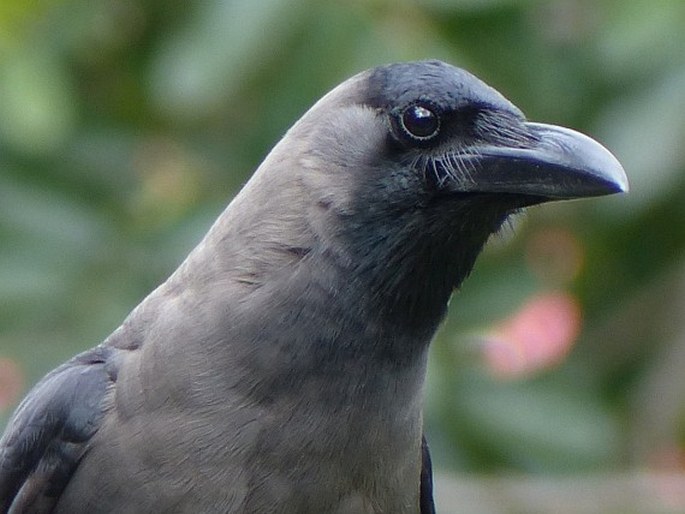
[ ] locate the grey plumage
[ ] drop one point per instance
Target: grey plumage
(280, 369)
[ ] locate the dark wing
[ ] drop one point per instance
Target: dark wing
(49, 432)
(427, 505)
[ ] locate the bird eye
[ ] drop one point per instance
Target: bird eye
(419, 121)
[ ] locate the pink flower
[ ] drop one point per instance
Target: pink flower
(536, 337)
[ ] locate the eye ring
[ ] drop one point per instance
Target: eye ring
(420, 121)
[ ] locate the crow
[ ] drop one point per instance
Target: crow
(281, 367)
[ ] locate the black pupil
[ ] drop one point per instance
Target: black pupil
(420, 122)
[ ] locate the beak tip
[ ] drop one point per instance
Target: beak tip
(623, 184)
(579, 152)
(623, 187)
(616, 175)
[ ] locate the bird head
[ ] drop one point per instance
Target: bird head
(433, 132)
(402, 172)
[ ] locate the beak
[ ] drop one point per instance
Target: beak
(559, 163)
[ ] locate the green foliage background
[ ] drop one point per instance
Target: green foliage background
(127, 125)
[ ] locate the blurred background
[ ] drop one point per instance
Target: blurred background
(557, 383)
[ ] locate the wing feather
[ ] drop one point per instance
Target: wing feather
(50, 430)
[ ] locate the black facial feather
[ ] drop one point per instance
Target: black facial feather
(469, 114)
(448, 87)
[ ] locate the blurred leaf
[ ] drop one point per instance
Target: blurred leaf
(223, 44)
(640, 37)
(49, 218)
(37, 106)
(16, 17)
(540, 426)
(646, 131)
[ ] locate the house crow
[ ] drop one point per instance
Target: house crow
(280, 368)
